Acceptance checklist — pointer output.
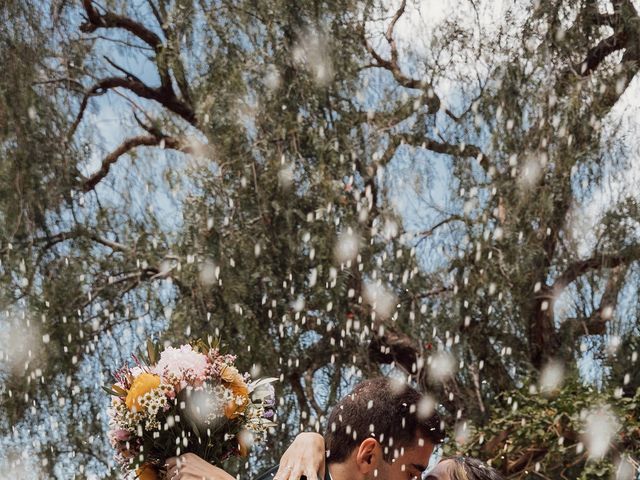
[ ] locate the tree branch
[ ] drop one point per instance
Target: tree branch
(296, 385)
(167, 99)
(427, 233)
(118, 41)
(434, 292)
(80, 232)
(463, 150)
(392, 346)
(475, 375)
(393, 65)
(159, 18)
(127, 73)
(136, 277)
(129, 144)
(173, 48)
(392, 26)
(310, 394)
(624, 22)
(596, 55)
(596, 324)
(544, 338)
(625, 256)
(112, 20)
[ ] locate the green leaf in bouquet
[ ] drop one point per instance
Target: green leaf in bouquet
(115, 391)
(193, 425)
(121, 391)
(214, 342)
(201, 346)
(152, 352)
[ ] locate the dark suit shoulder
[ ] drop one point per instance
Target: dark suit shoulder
(269, 474)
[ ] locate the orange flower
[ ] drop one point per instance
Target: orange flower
(239, 388)
(147, 472)
(236, 407)
(233, 409)
(234, 381)
(143, 383)
(229, 373)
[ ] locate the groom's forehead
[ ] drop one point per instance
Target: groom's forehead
(413, 458)
(419, 447)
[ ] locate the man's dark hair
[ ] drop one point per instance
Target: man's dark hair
(382, 409)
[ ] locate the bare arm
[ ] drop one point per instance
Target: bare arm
(191, 467)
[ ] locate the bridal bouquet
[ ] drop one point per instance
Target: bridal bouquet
(186, 399)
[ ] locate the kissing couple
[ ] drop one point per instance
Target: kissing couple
(374, 432)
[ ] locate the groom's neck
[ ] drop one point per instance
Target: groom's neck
(343, 471)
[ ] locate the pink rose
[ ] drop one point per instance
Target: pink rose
(120, 435)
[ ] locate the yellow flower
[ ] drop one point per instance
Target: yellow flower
(147, 472)
(143, 383)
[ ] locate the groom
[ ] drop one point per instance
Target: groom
(376, 432)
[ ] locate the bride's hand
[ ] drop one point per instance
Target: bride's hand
(305, 456)
(191, 467)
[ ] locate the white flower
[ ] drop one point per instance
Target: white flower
(183, 361)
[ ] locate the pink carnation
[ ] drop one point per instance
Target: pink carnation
(182, 362)
(120, 435)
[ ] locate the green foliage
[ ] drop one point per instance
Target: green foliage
(534, 435)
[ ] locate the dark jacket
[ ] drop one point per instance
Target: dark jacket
(269, 474)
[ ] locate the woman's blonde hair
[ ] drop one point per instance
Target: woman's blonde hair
(467, 468)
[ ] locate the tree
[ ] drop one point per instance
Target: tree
(260, 189)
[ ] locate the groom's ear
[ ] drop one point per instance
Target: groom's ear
(368, 455)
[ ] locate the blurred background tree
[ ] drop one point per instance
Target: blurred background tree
(337, 189)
